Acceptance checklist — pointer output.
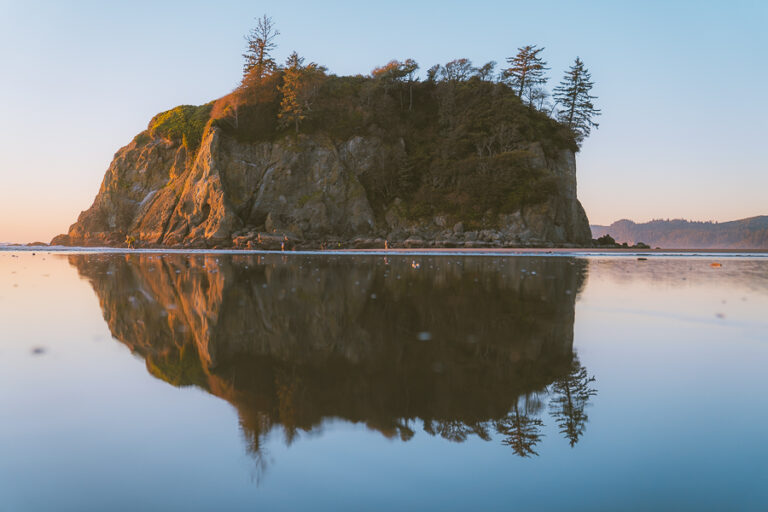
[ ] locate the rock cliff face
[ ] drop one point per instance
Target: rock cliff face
(304, 192)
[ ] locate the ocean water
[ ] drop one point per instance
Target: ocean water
(220, 381)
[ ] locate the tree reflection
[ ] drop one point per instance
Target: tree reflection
(457, 430)
(521, 427)
(521, 432)
(571, 394)
(465, 348)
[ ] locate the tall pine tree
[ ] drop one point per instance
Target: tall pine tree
(526, 72)
(261, 42)
(299, 88)
(576, 110)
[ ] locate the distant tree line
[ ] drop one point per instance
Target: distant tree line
(750, 233)
(570, 103)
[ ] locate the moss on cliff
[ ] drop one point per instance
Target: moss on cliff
(184, 124)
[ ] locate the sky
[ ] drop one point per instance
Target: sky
(680, 83)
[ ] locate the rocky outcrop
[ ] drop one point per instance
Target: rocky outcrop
(304, 192)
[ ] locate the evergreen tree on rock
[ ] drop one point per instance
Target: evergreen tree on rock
(525, 73)
(577, 111)
(261, 43)
(299, 88)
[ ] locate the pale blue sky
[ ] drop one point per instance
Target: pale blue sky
(681, 85)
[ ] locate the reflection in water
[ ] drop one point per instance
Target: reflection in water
(571, 396)
(463, 347)
(677, 272)
(521, 431)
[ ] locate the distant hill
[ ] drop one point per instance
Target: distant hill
(751, 233)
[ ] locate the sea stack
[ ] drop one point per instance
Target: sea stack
(466, 165)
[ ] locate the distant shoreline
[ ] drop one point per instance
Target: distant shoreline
(562, 252)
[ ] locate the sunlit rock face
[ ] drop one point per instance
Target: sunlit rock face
(307, 192)
(293, 340)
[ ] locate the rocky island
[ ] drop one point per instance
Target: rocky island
(299, 158)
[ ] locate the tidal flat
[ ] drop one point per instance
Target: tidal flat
(403, 381)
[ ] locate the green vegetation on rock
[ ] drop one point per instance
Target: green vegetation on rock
(184, 124)
(142, 138)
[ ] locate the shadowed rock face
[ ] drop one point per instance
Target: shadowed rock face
(294, 340)
(306, 192)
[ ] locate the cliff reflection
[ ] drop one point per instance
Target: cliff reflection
(460, 347)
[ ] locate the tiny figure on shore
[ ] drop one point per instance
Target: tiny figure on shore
(386, 245)
(282, 246)
(130, 241)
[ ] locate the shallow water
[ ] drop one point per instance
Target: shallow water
(410, 382)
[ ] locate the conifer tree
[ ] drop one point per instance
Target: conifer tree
(526, 72)
(261, 43)
(575, 101)
(298, 89)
